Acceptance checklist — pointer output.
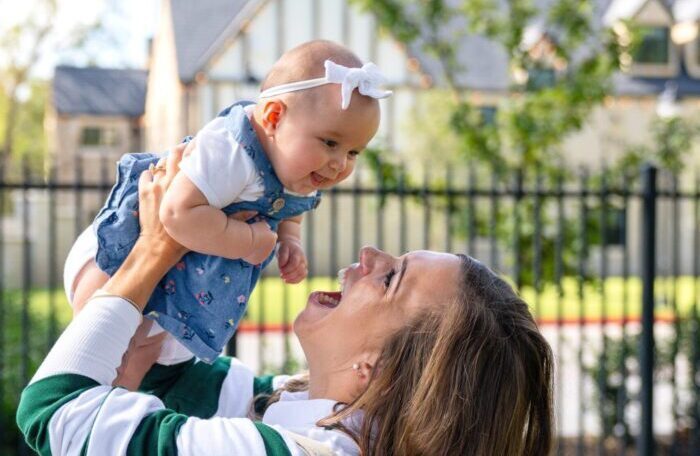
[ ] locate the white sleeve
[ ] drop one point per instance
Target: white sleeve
(218, 166)
(94, 342)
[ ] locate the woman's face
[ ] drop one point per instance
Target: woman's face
(380, 294)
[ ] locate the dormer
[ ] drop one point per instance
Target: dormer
(656, 56)
(544, 64)
(687, 16)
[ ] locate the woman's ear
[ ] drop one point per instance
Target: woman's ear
(272, 114)
(363, 370)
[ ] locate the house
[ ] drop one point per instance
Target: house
(208, 54)
(94, 117)
(198, 70)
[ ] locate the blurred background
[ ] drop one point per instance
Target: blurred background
(555, 140)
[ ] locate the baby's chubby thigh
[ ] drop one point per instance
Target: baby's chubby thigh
(82, 277)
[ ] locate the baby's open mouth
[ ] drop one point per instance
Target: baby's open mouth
(317, 179)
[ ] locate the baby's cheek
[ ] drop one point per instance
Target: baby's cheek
(346, 172)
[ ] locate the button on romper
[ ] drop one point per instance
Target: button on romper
(202, 299)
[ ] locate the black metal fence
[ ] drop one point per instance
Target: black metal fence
(609, 265)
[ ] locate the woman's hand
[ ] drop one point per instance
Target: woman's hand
(152, 186)
(154, 246)
(155, 252)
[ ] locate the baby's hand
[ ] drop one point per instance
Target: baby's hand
(291, 261)
(264, 240)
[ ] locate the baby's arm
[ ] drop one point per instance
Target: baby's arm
(191, 221)
(290, 256)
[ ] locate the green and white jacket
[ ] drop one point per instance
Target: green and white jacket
(193, 408)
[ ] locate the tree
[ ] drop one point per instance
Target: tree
(558, 77)
(561, 70)
(23, 47)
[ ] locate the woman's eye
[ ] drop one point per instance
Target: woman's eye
(388, 277)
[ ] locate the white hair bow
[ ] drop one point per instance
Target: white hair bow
(367, 80)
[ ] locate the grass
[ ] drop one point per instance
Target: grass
(273, 302)
(621, 298)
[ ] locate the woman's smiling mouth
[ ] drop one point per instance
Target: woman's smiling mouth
(330, 299)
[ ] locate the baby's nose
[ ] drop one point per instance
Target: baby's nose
(338, 164)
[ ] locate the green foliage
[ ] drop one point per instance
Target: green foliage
(387, 174)
(672, 141)
(538, 116)
(16, 346)
(568, 69)
(29, 140)
(24, 45)
(619, 364)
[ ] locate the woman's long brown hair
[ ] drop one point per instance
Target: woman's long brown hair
(472, 377)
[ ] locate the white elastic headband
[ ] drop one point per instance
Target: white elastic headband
(367, 80)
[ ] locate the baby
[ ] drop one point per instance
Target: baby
(317, 111)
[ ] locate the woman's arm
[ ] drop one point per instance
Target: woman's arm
(70, 407)
(94, 345)
(155, 252)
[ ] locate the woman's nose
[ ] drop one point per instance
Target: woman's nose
(370, 258)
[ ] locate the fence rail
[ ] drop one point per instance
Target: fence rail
(609, 265)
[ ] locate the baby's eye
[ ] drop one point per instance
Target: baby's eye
(330, 143)
(353, 154)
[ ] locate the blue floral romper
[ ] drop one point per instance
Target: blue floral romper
(202, 299)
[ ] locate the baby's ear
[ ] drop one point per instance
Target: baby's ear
(272, 114)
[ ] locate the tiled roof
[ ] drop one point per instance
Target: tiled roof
(99, 91)
(198, 26)
(485, 63)
(201, 26)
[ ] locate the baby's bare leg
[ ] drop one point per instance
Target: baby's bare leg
(89, 279)
(143, 351)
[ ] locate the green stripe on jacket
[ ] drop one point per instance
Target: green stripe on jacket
(189, 388)
(40, 400)
(157, 434)
(274, 443)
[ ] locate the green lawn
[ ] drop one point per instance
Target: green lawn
(272, 302)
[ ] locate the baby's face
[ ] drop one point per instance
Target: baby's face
(316, 145)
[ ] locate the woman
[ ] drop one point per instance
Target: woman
(429, 353)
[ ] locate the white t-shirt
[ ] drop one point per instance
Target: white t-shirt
(220, 167)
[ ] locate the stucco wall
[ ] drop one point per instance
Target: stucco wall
(164, 118)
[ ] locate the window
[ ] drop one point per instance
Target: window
(97, 136)
(488, 114)
(540, 77)
(654, 47)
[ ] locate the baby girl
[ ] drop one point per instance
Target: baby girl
(317, 111)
